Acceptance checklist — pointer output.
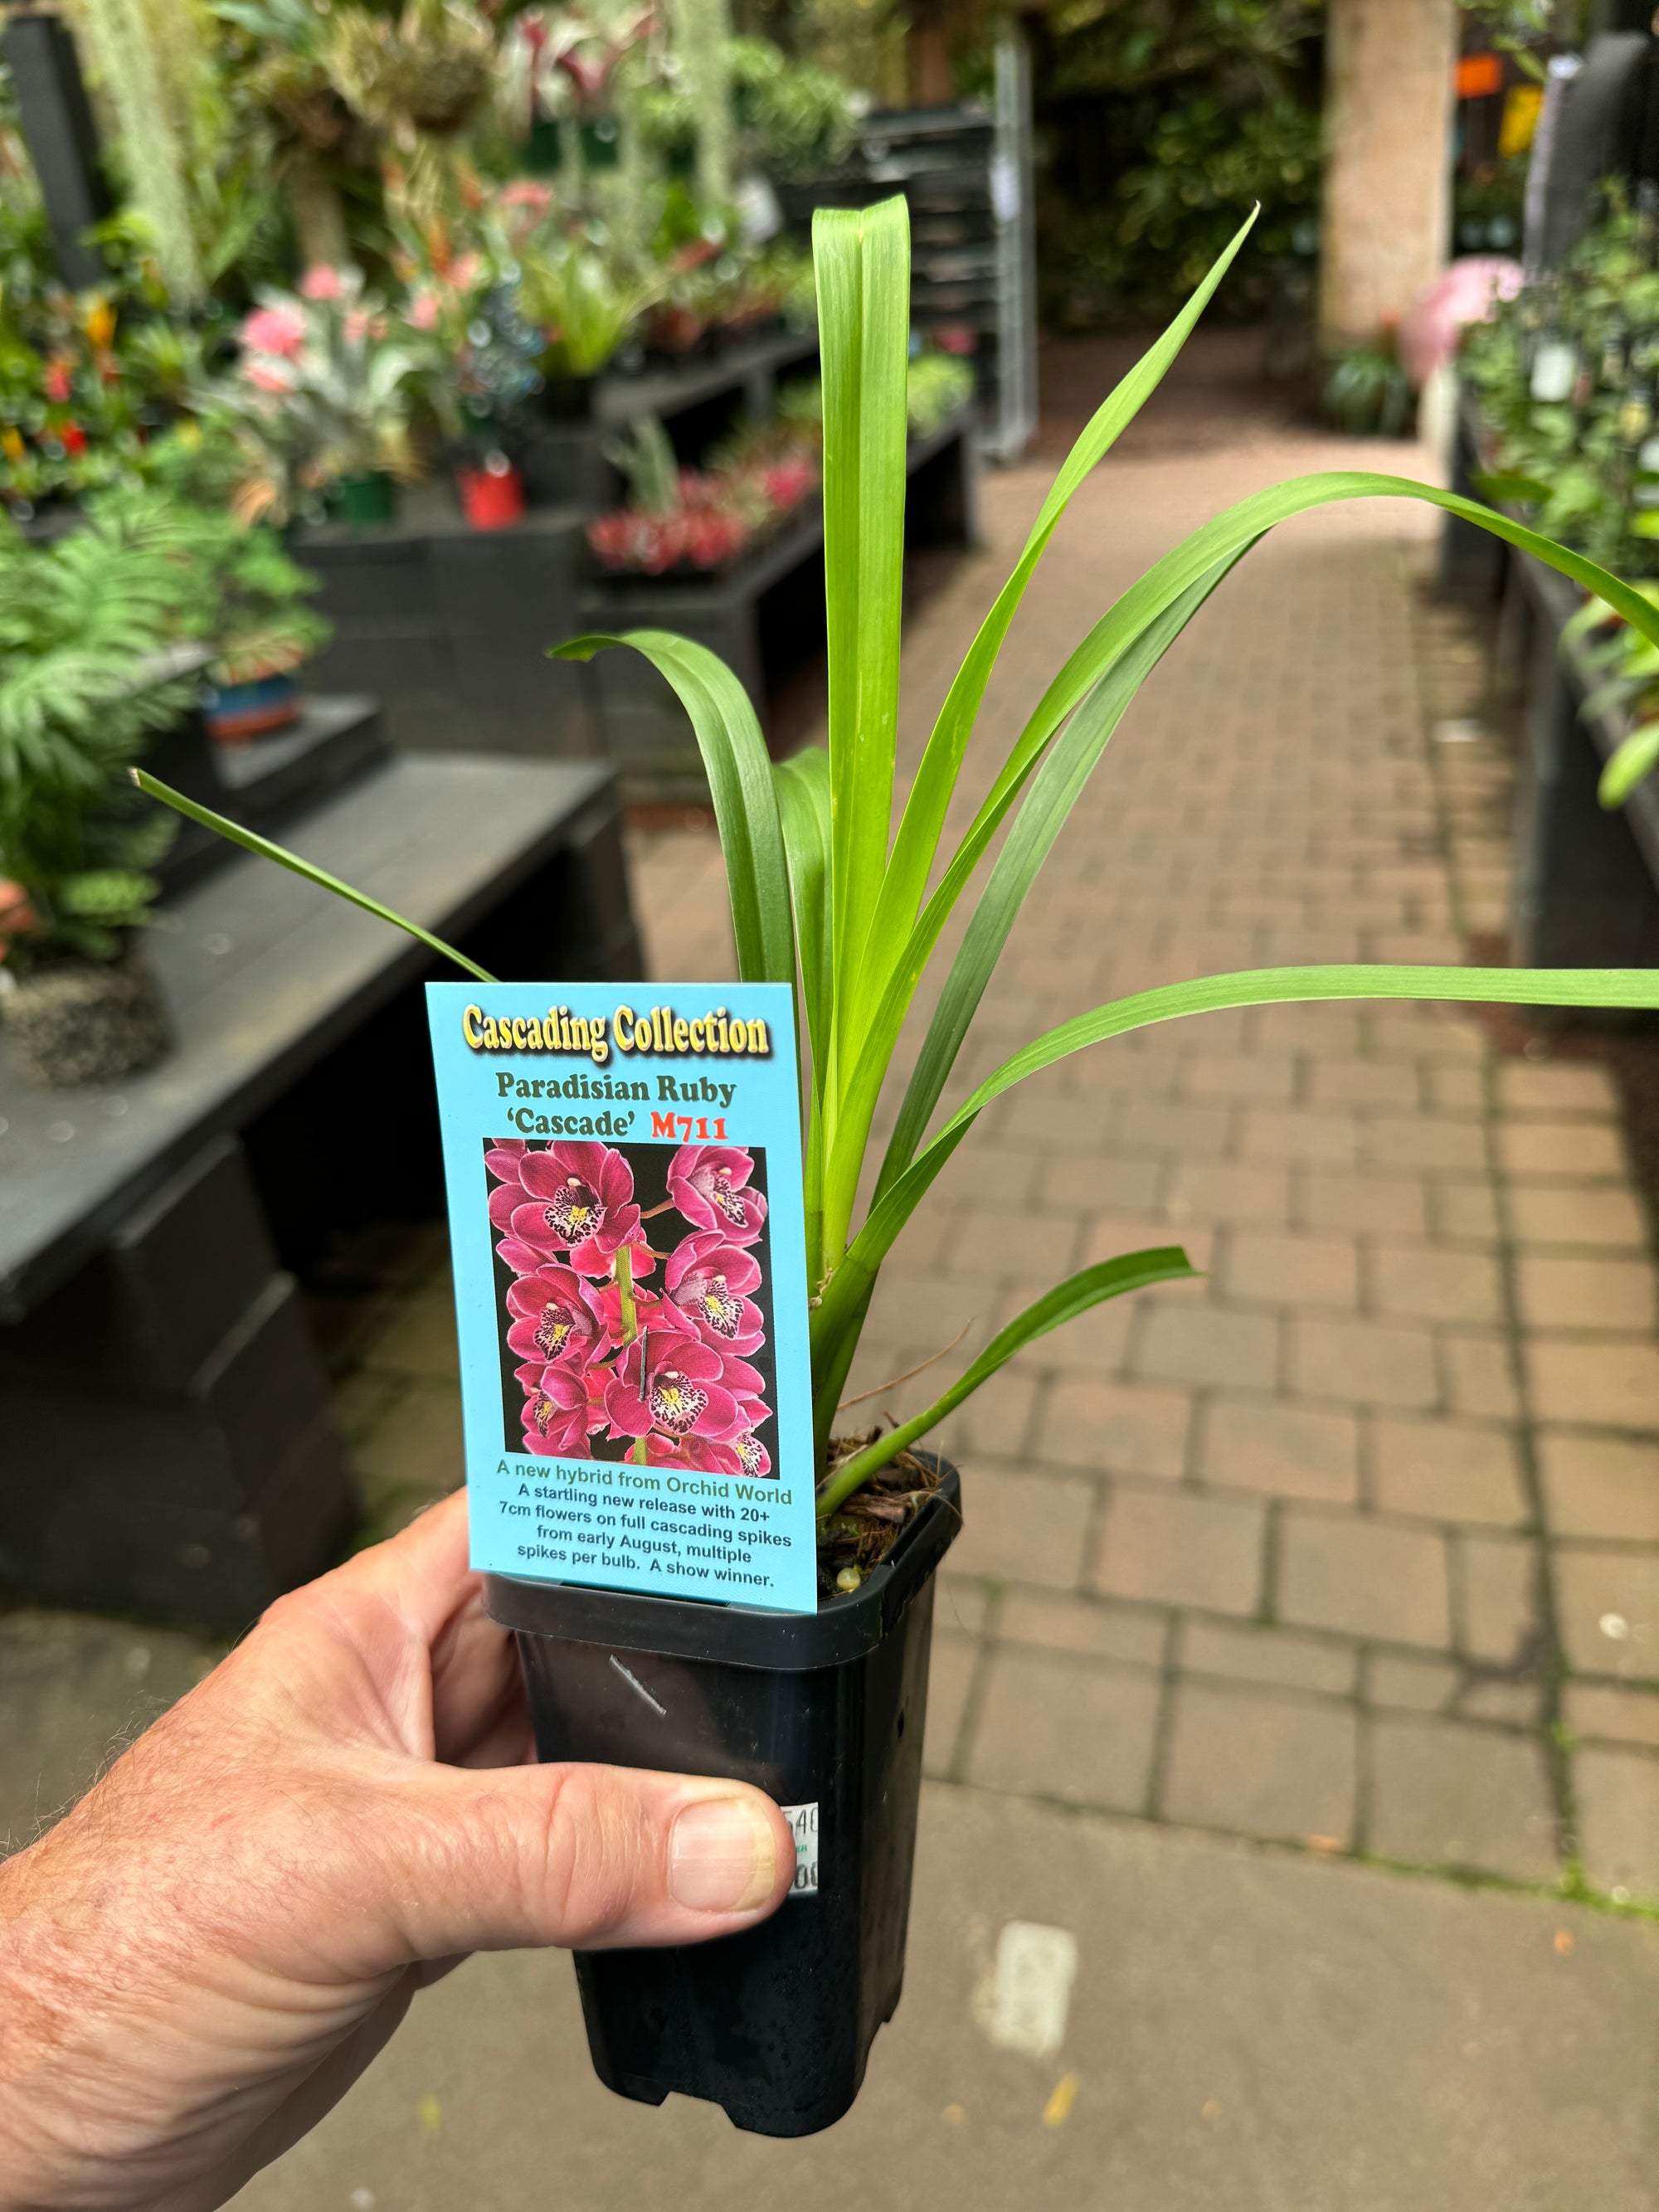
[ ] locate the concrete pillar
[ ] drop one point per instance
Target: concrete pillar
(1389, 100)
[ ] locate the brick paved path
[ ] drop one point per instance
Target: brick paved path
(1306, 1550)
(1355, 1544)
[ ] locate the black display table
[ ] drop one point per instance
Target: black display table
(166, 1440)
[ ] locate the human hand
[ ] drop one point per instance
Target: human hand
(203, 1955)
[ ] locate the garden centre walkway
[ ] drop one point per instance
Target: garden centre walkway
(1352, 1546)
(1355, 1544)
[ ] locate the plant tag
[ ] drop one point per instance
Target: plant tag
(623, 1163)
(804, 1820)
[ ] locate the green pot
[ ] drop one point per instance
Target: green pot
(364, 503)
(543, 152)
(602, 143)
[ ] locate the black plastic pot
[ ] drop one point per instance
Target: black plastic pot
(823, 1711)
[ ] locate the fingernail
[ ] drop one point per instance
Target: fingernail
(721, 1856)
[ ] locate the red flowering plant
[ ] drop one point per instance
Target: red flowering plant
(660, 1376)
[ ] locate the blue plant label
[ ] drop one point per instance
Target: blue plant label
(623, 1163)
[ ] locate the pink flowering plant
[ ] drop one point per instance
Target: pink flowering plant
(606, 1360)
(839, 893)
(325, 379)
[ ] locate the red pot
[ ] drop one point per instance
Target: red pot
(492, 497)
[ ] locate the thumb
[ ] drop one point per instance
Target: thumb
(587, 1857)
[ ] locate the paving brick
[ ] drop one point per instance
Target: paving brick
(1555, 1291)
(1173, 1547)
(1328, 1199)
(1447, 1471)
(1607, 1382)
(1119, 1428)
(1456, 1089)
(1463, 1212)
(1404, 1682)
(1208, 1344)
(1272, 1656)
(1575, 1149)
(1066, 1728)
(996, 1420)
(1288, 1451)
(415, 1450)
(1363, 1083)
(963, 1602)
(1228, 1190)
(1023, 1527)
(1598, 1709)
(1239, 1076)
(1607, 1606)
(1563, 1089)
(1442, 1794)
(1606, 1486)
(1090, 1625)
(1512, 1701)
(1545, 1216)
(1419, 1282)
(1261, 1765)
(1007, 1242)
(1291, 1271)
(1424, 1140)
(1618, 1800)
(1362, 1578)
(1479, 1370)
(414, 1335)
(1366, 1362)
(1496, 1581)
(950, 1677)
(1283, 1133)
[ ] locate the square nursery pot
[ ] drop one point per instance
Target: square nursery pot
(825, 1712)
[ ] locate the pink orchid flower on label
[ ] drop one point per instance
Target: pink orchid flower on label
(671, 1384)
(709, 1185)
(706, 1277)
(558, 1410)
(579, 1198)
(753, 1458)
(553, 1317)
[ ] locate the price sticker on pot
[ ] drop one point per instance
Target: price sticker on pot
(623, 1164)
(804, 1822)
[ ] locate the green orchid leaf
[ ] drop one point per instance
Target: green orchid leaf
(740, 784)
(862, 258)
(1108, 1279)
(848, 1289)
(1635, 758)
(251, 842)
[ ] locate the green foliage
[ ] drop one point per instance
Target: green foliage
(1369, 395)
(97, 638)
(84, 675)
(1165, 122)
(935, 386)
(1576, 458)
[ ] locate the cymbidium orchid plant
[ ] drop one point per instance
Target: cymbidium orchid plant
(829, 895)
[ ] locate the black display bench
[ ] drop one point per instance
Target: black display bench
(1586, 879)
(448, 626)
(764, 616)
(168, 1445)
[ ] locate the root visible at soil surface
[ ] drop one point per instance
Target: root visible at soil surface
(861, 1533)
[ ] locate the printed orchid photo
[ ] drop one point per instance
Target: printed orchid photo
(634, 1303)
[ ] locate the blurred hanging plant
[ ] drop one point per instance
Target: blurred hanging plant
(1165, 121)
(832, 896)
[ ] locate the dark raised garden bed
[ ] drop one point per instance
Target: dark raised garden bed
(167, 1444)
(1586, 881)
(763, 616)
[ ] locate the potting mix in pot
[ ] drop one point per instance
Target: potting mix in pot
(662, 1272)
